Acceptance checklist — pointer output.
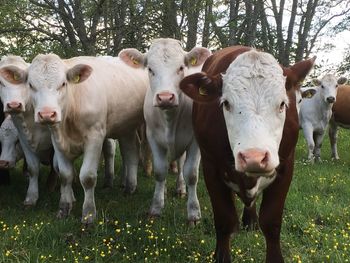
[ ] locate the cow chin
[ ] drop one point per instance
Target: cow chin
(268, 174)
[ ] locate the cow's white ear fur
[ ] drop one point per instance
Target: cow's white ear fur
(316, 82)
(342, 80)
(197, 56)
(132, 57)
(79, 73)
(13, 74)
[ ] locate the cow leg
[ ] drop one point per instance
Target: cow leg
(250, 218)
(33, 165)
(160, 167)
(88, 178)
(225, 214)
(66, 171)
(271, 209)
(308, 134)
(130, 158)
(191, 168)
(180, 182)
(108, 149)
(333, 136)
(318, 138)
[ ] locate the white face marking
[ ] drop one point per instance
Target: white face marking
(13, 92)
(166, 67)
(9, 140)
(328, 88)
(46, 76)
(254, 100)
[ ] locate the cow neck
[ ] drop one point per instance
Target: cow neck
(63, 143)
(24, 123)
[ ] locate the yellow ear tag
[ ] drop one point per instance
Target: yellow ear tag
(308, 95)
(202, 91)
(76, 78)
(193, 61)
(134, 61)
(16, 76)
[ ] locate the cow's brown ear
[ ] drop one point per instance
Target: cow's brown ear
(79, 73)
(132, 57)
(297, 73)
(201, 87)
(13, 74)
(309, 93)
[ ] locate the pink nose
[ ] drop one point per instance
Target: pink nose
(47, 116)
(14, 106)
(4, 164)
(253, 160)
(166, 99)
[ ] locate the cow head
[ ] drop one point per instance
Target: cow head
(253, 97)
(167, 64)
(327, 87)
(9, 144)
(13, 90)
(51, 84)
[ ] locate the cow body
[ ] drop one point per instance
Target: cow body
(246, 125)
(85, 100)
(316, 112)
(340, 117)
(168, 116)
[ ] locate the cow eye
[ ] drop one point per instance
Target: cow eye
(150, 71)
(282, 106)
(226, 105)
(336, 86)
(180, 69)
(62, 86)
(32, 87)
(322, 86)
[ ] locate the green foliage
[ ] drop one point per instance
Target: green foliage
(316, 221)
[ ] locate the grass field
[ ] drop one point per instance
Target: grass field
(316, 223)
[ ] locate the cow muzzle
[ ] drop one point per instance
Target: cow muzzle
(4, 164)
(166, 100)
(14, 106)
(330, 99)
(47, 116)
(255, 162)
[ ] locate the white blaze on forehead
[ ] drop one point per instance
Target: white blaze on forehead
(254, 89)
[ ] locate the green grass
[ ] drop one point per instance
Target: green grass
(316, 223)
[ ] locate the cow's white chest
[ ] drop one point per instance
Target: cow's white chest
(253, 193)
(260, 185)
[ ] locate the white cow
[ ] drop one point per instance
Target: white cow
(316, 112)
(34, 138)
(85, 100)
(168, 115)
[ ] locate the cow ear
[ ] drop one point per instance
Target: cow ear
(79, 73)
(342, 80)
(197, 56)
(132, 57)
(309, 93)
(13, 74)
(297, 73)
(201, 87)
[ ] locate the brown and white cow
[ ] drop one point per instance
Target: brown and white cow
(246, 124)
(85, 100)
(168, 118)
(340, 117)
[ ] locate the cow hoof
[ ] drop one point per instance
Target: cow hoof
(153, 216)
(129, 190)
(193, 223)
(63, 211)
(88, 220)
(181, 194)
(28, 204)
